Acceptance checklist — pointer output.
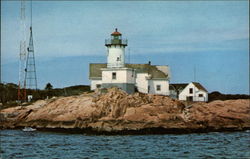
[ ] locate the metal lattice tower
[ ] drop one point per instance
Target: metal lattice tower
(22, 55)
(30, 76)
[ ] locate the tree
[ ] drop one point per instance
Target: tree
(2, 93)
(48, 87)
(8, 92)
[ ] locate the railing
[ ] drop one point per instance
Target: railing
(116, 42)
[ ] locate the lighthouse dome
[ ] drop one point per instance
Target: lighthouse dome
(116, 33)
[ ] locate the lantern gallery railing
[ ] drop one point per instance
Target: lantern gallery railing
(123, 42)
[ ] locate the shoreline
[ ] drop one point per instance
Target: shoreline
(146, 131)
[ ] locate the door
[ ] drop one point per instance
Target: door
(190, 98)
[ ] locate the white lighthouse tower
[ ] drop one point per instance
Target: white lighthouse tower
(115, 50)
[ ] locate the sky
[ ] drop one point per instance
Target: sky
(210, 37)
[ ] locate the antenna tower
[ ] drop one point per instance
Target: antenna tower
(30, 76)
(22, 55)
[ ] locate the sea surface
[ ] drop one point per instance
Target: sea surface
(49, 145)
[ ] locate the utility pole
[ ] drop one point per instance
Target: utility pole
(194, 73)
(0, 56)
(128, 55)
(195, 98)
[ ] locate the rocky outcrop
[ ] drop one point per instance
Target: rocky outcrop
(118, 112)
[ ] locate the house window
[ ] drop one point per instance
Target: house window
(118, 59)
(200, 95)
(113, 75)
(158, 87)
(190, 90)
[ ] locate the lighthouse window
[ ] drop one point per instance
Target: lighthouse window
(114, 75)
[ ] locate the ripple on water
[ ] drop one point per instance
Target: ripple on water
(18, 144)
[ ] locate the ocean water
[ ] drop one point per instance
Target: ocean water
(49, 145)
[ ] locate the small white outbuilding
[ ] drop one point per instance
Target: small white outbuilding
(193, 91)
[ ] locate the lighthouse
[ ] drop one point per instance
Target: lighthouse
(145, 78)
(116, 50)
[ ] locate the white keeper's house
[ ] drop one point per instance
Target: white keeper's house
(145, 78)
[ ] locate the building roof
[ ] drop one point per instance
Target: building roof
(177, 86)
(199, 86)
(180, 86)
(116, 32)
(95, 70)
